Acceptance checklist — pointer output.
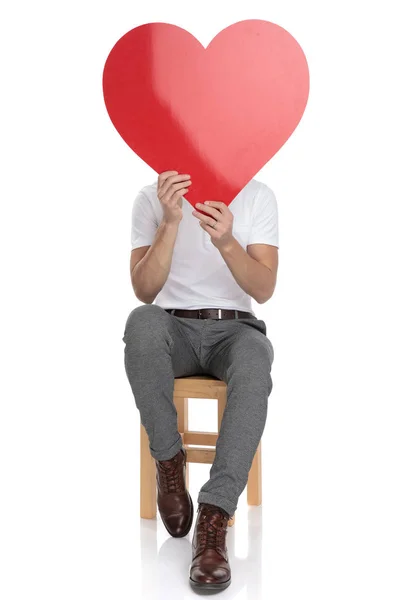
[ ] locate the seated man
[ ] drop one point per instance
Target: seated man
(196, 273)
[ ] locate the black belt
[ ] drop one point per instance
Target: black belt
(210, 313)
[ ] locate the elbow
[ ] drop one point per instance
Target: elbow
(268, 287)
(143, 298)
(264, 298)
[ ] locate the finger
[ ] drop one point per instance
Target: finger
(172, 176)
(208, 228)
(215, 203)
(170, 180)
(172, 184)
(203, 219)
(174, 191)
(208, 209)
(163, 176)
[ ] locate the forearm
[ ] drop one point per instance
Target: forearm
(151, 272)
(254, 278)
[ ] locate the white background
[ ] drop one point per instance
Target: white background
(329, 524)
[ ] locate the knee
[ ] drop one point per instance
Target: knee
(252, 367)
(270, 350)
(258, 356)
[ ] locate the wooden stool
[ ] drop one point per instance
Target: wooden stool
(195, 386)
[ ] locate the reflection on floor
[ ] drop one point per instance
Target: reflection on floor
(165, 561)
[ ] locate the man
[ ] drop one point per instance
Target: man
(196, 272)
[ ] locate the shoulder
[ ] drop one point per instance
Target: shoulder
(260, 196)
(264, 192)
(147, 195)
(149, 192)
(147, 202)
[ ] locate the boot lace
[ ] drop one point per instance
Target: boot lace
(211, 527)
(170, 475)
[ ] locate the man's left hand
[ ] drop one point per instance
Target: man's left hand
(218, 214)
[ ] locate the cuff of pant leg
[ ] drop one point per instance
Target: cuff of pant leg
(167, 453)
(224, 503)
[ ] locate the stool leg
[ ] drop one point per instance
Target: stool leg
(254, 482)
(148, 486)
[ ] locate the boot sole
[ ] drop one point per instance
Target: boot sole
(208, 587)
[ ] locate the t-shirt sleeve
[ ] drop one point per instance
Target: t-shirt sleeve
(144, 223)
(264, 227)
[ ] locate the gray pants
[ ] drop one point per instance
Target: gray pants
(160, 346)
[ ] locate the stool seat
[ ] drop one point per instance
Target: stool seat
(193, 386)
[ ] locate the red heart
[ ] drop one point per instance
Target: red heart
(218, 113)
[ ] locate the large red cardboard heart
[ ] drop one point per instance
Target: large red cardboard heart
(218, 113)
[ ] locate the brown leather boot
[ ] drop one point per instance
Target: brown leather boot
(210, 568)
(173, 499)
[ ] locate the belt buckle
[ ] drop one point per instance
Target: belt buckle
(219, 314)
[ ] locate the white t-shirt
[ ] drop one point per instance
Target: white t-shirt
(199, 276)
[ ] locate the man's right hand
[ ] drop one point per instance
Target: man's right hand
(170, 189)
